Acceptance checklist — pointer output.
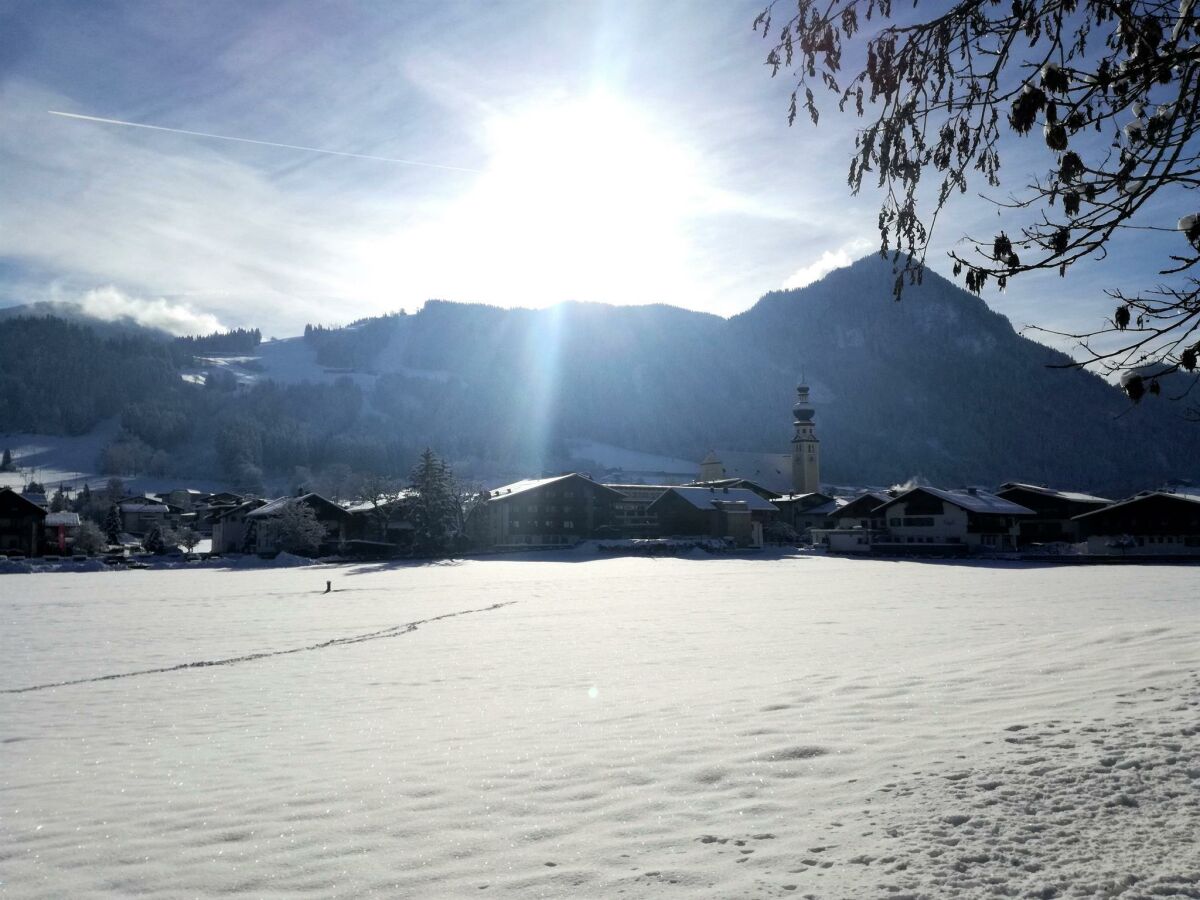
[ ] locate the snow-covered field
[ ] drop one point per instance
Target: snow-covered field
(637, 727)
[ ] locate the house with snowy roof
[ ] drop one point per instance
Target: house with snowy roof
(60, 531)
(544, 512)
(140, 515)
(690, 511)
(1154, 523)
(267, 538)
(808, 510)
(631, 515)
(932, 520)
(855, 525)
(228, 526)
(1054, 511)
(21, 522)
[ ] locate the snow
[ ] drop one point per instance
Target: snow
(528, 484)
(1051, 492)
(974, 500)
(703, 498)
(55, 459)
(634, 462)
(710, 727)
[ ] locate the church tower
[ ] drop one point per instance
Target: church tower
(711, 468)
(806, 451)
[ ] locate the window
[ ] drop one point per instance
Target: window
(894, 521)
(516, 523)
(567, 523)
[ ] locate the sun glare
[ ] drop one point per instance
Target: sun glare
(584, 199)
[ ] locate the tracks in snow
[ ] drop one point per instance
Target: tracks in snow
(390, 632)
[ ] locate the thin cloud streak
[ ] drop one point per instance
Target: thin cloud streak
(241, 140)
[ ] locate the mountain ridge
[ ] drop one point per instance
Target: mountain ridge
(937, 384)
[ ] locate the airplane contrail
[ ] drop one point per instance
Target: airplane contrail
(241, 140)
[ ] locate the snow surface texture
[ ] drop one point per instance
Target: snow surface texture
(637, 727)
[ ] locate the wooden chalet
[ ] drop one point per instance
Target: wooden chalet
(21, 524)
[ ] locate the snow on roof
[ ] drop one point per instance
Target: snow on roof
(1190, 498)
(825, 509)
(878, 497)
(363, 506)
(133, 506)
(278, 505)
(529, 484)
(275, 507)
(972, 500)
(66, 519)
(1073, 496)
(702, 497)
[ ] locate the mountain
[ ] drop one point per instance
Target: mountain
(73, 312)
(935, 385)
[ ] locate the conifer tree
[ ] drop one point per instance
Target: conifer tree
(112, 524)
(6, 462)
(434, 505)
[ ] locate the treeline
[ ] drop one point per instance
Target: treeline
(237, 340)
(355, 346)
(57, 377)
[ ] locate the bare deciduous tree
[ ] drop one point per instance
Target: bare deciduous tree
(1110, 87)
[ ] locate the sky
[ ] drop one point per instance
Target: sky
(510, 153)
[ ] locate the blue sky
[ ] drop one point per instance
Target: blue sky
(621, 152)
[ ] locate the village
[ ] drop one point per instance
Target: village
(743, 503)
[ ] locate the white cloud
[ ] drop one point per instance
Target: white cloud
(111, 304)
(829, 260)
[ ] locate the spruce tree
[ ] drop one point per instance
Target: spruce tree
(6, 463)
(434, 505)
(112, 525)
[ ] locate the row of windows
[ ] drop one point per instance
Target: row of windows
(566, 523)
(911, 521)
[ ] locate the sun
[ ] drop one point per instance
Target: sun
(585, 198)
(597, 188)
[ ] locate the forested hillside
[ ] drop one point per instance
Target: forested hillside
(936, 385)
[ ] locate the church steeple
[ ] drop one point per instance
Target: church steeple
(806, 451)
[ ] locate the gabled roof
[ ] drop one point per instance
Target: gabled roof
(143, 507)
(703, 497)
(277, 506)
(65, 519)
(529, 484)
(972, 500)
(749, 484)
(1137, 498)
(366, 506)
(220, 512)
(867, 502)
(825, 509)
(23, 502)
(1072, 496)
(806, 501)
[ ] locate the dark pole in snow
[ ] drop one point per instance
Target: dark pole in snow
(328, 586)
